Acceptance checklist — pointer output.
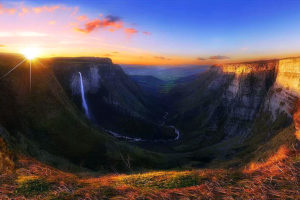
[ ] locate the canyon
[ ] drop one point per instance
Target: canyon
(88, 130)
(225, 115)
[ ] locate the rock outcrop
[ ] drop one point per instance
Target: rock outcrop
(286, 88)
(230, 97)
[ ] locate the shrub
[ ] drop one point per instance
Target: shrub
(31, 185)
(108, 192)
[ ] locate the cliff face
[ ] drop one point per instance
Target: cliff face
(114, 101)
(245, 93)
(234, 101)
(230, 100)
(101, 78)
(285, 90)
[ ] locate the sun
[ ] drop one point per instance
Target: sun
(30, 53)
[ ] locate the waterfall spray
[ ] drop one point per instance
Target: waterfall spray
(84, 104)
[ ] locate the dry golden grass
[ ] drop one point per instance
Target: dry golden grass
(277, 178)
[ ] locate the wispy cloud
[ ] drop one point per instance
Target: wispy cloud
(218, 57)
(2, 45)
(146, 33)
(21, 9)
(111, 22)
(4, 10)
(22, 34)
(46, 9)
(82, 18)
(130, 31)
(75, 11)
(162, 58)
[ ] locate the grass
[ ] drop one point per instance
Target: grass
(163, 180)
(6, 158)
(31, 186)
(274, 179)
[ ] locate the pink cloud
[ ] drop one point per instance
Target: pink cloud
(23, 11)
(112, 22)
(10, 11)
(45, 9)
(75, 11)
(146, 33)
(82, 18)
(130, 31)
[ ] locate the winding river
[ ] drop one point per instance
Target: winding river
(117, 135)
(133, 139)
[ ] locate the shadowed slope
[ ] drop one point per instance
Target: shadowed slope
(47, 118)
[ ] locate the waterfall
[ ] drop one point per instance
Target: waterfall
(84, 104)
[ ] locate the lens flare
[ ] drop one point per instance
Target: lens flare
(30, 53)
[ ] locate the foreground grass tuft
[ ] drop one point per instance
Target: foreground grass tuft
(163, 180)
(278, 179)
(32, 185)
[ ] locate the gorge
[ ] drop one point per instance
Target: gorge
(87, 114)
(217, 114)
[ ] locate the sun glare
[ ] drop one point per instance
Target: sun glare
(30, 53)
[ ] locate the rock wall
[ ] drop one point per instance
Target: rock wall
(286, 88)
(242, 97)
(272, 85)
(91, 81)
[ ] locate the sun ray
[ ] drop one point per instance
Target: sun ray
(30, 75)
(3, 76)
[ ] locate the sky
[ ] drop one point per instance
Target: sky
(153, 32)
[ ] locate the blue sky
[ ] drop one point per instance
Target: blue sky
(199, 29)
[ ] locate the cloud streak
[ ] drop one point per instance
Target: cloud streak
(21, 9)
(111, 22)
(4, 10)
(130, 31)
(41, 9)
(82, 18)
(108, 23)
(22, 34)
(218, 57)
(146, 33)
(162, 58)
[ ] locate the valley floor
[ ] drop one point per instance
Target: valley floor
(277, 178)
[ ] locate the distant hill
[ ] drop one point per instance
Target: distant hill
(164, 73)
(150, 84)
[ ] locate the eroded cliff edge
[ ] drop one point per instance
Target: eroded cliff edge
(233, 110)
